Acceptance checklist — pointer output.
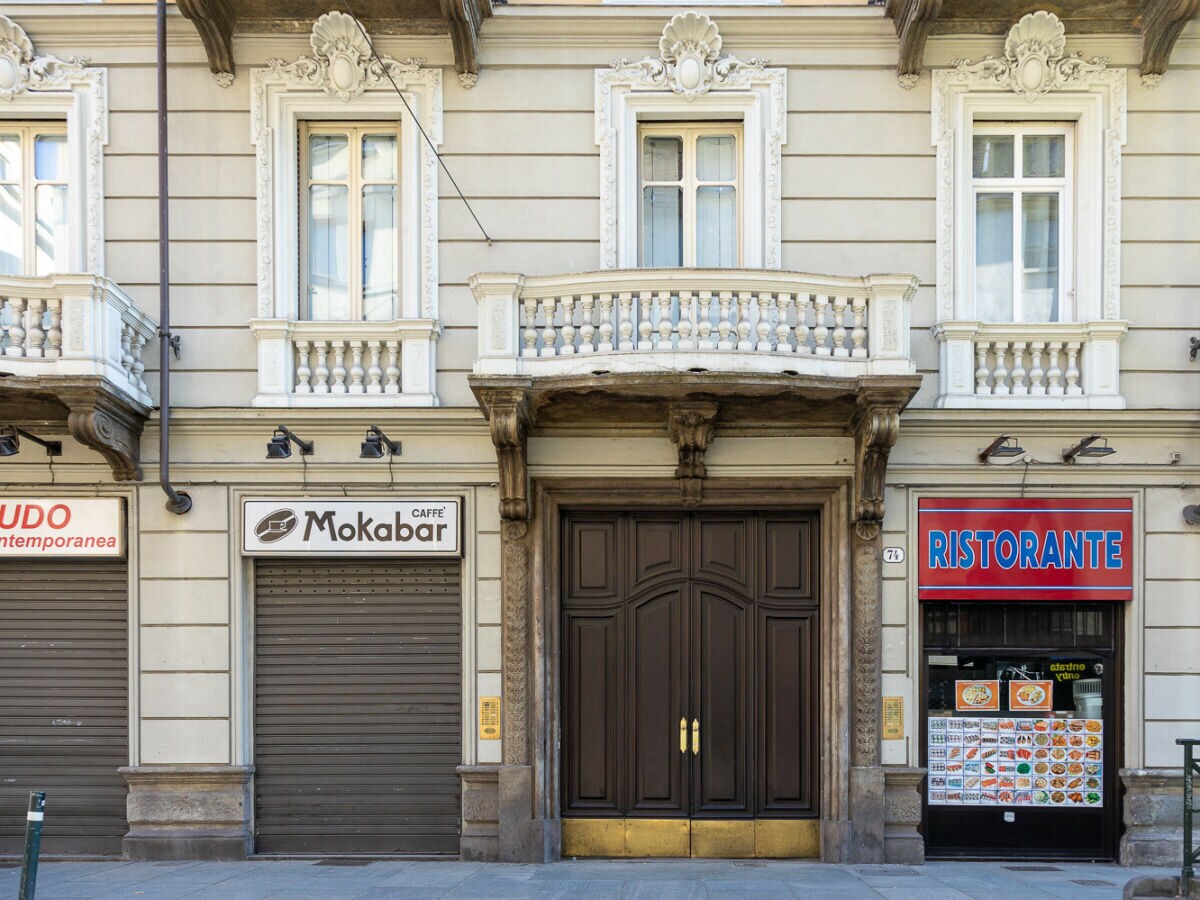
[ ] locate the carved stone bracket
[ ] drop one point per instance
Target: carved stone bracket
(691, 426)
(509, 417)
(465, 18)
(99, 419)
(913, 20)
(214, 21)
(1162, 22)
(876, 428)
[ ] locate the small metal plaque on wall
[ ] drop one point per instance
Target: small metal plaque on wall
(893, 718)
(489, 718)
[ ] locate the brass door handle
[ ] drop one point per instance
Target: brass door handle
(695, 737)
(683, 735)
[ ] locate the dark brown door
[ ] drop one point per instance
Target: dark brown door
(689, 665)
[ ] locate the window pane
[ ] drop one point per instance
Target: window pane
(51, 236)
(994, 257)
(379, 252)
(379, 157)
(1039, 299)
(1044, 156)
(328, 245)
(662, 227)
(716, 158)
(662, 159)
(10, 157)
(716, 227)
(993, 156)
(328, 157)
(50, 157)
(12, 241)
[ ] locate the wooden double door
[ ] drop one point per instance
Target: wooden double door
(689, 666)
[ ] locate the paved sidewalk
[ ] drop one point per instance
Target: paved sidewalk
(651, 879)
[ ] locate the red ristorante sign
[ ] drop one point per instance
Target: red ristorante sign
(1027, 549)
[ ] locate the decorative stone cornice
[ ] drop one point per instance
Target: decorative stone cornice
(691, 426)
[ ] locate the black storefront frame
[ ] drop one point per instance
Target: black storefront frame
(1112, 716)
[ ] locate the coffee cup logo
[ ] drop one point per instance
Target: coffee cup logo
(275, 526)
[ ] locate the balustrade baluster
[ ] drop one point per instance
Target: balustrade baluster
(1073, 388)
(725, 323)
(303, 371)
(531, 334)
(743, 322)
(36, 337)
(549, 332)
(704, 328)
(391, 384)
(321, 373)
(762, 328)
(374, 370)
(665, 325)
(858, 334)
(356, 368)
(1054, 373)
(606, 323)
(644, 329)
(568, 329)
(127, 347)
(783, 330)
(820, 327)
(1019, 388)
(139, 364)
(803, 306)
(982, 372)
(16, 330)
(54, 331)
(685, 320)
(839, 327)
(587, 330)
(1037, 387)
(1000, 373)
(625, 326)
(339, 368)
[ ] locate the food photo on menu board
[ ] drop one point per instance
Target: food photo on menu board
(977, 696)
(1031, 696)
(1016, 761)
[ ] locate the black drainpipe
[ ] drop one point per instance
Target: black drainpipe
(178, 502)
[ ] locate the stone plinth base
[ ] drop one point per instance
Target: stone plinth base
(1153, 817)
(189, 812)
(866, 814)
(480, 812)
(902, 840)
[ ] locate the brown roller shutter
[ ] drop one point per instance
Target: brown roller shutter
(358, 718)
(64, 722)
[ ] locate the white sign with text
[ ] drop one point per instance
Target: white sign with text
(62, 526)
(291, 526)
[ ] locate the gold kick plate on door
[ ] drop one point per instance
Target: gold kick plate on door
(683, 735)
(695, 737)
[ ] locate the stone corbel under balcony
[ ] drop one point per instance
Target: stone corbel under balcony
(320, 364)
(1056, 365)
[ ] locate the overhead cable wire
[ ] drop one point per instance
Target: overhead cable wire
(400, 94)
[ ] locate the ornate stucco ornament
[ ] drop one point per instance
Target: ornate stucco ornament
(21, 70)
(342, 64)
(1033, 61)
(690, 61)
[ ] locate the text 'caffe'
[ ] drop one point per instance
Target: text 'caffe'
(1022, 605)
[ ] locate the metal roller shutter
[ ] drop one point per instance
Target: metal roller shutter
(358, 718)
(64, 678)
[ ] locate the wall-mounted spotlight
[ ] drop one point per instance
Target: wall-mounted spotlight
(1087, 447)
(376, 442)
(1003, 446)
(280, 445)
(10, 442)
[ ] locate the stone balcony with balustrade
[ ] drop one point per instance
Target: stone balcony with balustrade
(71, 349)
(1066, 365)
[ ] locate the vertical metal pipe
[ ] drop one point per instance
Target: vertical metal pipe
(177, 501)
(33, 844)
(1189, 851)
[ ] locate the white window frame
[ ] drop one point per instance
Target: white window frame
(689, 183)
(1016, 187)
(628, 94)
(27, 133)
(47, 87)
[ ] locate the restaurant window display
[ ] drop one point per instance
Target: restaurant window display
(1021, 689)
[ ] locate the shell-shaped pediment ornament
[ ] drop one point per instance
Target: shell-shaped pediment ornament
(21, 70)
(343, 52)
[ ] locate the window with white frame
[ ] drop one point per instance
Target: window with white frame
(350, 236)
(35, 231)
(691, 197)
(1021, 187)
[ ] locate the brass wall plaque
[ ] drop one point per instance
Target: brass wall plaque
(893, 718)
(489, 718)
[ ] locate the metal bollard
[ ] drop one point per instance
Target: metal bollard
(33, 842)
(1191, 854)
